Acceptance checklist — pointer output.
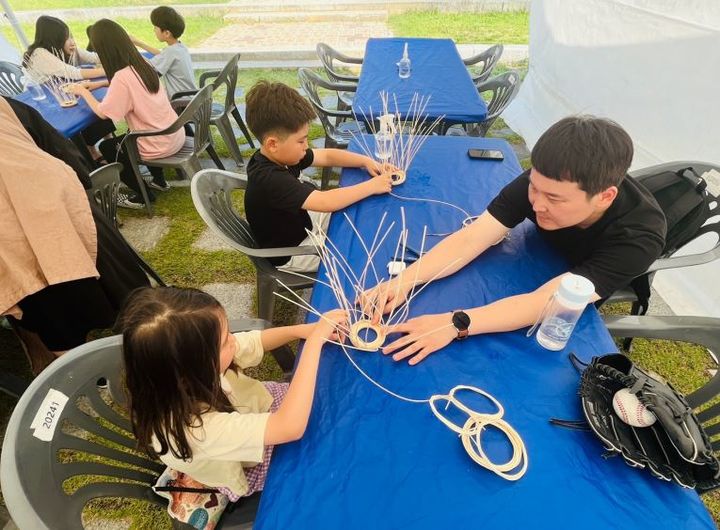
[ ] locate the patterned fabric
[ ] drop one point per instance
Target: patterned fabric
(203, 510)
(256, 475)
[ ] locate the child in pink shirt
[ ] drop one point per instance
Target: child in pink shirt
(136, 96)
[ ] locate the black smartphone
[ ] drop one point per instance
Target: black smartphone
(486, 154)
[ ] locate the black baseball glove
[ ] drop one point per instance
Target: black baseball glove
(675, 447)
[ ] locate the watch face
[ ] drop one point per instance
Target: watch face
(461, 320)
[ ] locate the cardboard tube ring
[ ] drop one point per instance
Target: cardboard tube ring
(398, 177)
(361, 325)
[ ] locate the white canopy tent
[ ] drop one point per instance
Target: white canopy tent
(9, 15)
(651, 65)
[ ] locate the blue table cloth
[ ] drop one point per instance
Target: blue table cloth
(70, 120)
(437, 71)
(371, 461)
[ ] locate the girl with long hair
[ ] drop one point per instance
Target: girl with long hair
(54, 52)
(190, 403)
(136, 96)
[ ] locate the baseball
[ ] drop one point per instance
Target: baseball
(628, 407)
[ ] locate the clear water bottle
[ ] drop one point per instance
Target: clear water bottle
(404, 64)
(35, 89)
(563, 311)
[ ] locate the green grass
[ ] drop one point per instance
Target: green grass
(33, 5)
(464, 28)
(197, 29)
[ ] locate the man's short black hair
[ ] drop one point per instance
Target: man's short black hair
(166, 18)
(594, 152)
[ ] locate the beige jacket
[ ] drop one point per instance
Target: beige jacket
(229, 441)
(47, 233)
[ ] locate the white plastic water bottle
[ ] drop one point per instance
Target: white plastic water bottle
(404, 64)
(565, 308)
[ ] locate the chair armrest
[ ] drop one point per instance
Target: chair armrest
(183, 94)
(347, 59)
(344, 87)
(685, 261)
(236, 325)
(338, 113)
(210, 74)
(282, 252)
(134, 135)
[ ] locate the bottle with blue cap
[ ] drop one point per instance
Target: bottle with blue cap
(563, 311)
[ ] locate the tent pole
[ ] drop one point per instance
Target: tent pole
(14, 23)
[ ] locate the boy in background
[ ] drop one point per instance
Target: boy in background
(279, 207)
(173, 62)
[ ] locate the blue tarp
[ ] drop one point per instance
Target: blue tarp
(371, 461)
(69, 121)
(437, 70)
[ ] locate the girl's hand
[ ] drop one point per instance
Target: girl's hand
(76, 88)
(92, 85)
(333, 326)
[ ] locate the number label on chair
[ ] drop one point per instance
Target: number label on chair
(48, 414)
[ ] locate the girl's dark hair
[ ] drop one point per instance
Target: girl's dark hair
(50, 34)
(171, 350)
(116, 51)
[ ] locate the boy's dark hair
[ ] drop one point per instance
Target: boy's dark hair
(50, 34)
(594, 152)
(166, 18)
(276, 108)
(171, 351)
(116, 51)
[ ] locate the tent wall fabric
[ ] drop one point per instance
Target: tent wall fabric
(651, 65)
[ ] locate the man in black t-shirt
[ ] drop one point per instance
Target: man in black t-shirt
(607, 226)
(279, 207)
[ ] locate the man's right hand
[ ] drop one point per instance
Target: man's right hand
(383, 298)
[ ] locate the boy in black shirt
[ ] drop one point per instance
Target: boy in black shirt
(279, 207)
(607, 226)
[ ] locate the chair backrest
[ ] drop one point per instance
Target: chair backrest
(310, 83)
(105, 185)
(228, 77)
(57, 455)
(328, 55)
(487, 61)
(12, 79)
(198, 113)
(504, 88)
(211, 192)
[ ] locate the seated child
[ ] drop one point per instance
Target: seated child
(173, 62)
(279, 207)
(54, 53)
(136, 96)
(191, 405)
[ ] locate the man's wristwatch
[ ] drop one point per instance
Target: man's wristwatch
(461, 321)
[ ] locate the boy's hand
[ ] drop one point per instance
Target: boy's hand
(374, 168)
(333, 326)
(134, 39)
(380, 184)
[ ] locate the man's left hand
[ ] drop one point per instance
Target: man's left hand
(424, 335)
